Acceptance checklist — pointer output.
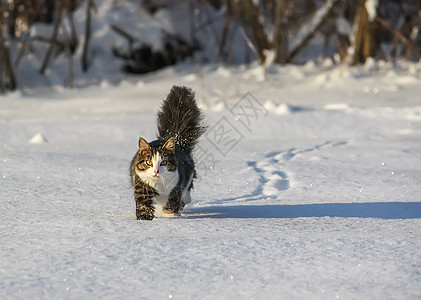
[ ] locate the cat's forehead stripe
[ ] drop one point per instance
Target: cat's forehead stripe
(156, 157)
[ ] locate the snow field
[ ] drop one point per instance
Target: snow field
(319, 199)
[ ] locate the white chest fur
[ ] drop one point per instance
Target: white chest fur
(162, 180)
(163, 183)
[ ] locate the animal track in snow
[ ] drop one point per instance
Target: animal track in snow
(273, 177)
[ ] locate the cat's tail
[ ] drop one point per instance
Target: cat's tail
(180, 118)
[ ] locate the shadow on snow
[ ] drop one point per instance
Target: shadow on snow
(380, 210)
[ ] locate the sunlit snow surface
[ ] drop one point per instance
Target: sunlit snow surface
(312, 192)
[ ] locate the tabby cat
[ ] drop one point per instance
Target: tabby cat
(162, 171)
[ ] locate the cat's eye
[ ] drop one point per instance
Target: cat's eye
(148, 163)
(164, 162)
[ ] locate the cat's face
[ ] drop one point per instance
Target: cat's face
(155, 163)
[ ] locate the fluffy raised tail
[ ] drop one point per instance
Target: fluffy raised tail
(180, 118)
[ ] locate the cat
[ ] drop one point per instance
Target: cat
(162, 171)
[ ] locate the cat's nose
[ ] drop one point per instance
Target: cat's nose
(156, 172)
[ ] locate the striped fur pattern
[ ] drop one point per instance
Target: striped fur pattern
(162, 171)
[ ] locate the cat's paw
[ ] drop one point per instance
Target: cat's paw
(144, 217)
(169, 211)
(144, 214)
(144, 211)
(172, 207)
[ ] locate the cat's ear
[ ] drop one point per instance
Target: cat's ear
(169, 145)
(143, 145)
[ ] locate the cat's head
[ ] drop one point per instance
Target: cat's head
(155, 160)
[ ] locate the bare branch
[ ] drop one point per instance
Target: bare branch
(250, 44)
(53, 41)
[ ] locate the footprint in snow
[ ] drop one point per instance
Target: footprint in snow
(272, 179)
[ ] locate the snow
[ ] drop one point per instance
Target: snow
(38, 139)
(315, 194)
(371, 7)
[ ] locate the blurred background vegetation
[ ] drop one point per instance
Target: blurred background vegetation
(222, 31)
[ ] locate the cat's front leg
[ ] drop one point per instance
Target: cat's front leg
(144, 209)
(173, 205)
(144, 203)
